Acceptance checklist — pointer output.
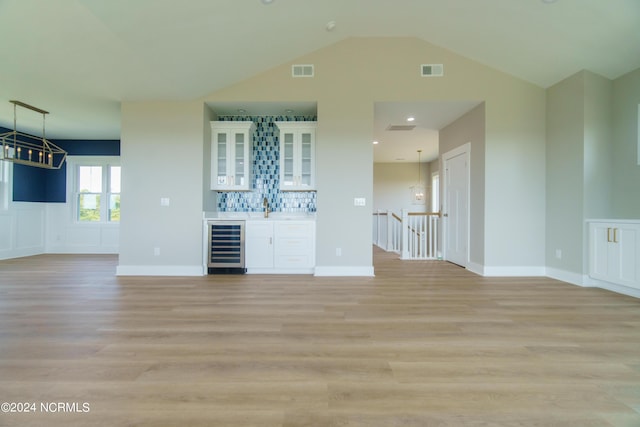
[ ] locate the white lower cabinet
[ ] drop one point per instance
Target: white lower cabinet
(258, 244)
(280, 247)
(614, 252)
(294, 244)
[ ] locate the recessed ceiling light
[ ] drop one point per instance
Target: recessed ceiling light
(410, 118)
(241, 111)
(549, 1)
(288, 111)
(331, 25)
(375, 142)
(266, 1)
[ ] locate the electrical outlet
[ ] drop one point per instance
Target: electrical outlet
(559, 253)
(338, 251)
(156, 251)
(359, 201)
(164, 201)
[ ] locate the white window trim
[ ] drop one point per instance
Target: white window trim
(435, 192)
(6, 183)
(73, 164)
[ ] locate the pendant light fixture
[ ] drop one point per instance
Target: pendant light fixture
(29, 150)
(418, 190)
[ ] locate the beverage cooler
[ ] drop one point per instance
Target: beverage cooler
(226, 247)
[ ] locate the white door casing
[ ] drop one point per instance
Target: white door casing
(455, 215)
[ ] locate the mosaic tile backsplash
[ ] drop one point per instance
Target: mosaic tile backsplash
(266, 173)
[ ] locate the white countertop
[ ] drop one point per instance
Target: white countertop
(259, 216)
(620, 221)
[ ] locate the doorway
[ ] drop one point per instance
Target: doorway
(455, 212)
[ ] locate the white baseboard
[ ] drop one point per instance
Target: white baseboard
(476, 268)
(83, 250)
(632, 292)
(337, 271)
(280, 270)
(23, 252)
(566, 276)
(159, 270)
(515, 271)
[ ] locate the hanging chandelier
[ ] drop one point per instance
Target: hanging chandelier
(29, 150)
(418, 190)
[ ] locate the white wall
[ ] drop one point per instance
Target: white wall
(626, 173)
(354, 74)
(470, 128)
(22, 230)
(161, 157)
(64, 234)
(209, 198)
(579, 169)
(565, 174)
(391, 186)
(28, 229)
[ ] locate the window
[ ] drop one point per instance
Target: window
(97, 190)
(435, 192)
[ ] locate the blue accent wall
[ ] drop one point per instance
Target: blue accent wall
(81, 147)
(31, 184)
(265, 180)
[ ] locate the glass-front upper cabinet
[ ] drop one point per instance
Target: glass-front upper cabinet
(231, 155)
(297, 155)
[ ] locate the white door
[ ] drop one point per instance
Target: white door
(456, 205)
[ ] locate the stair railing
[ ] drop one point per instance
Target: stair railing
(413, 235)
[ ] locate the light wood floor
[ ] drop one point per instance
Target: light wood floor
(421, 344)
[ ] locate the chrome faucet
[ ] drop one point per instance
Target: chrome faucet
(265, 204)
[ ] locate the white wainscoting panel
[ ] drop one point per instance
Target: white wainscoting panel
(30, 229)
(6, 233)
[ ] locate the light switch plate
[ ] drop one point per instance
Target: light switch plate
(164, 201)
(359, 201)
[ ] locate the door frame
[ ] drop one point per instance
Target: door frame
(464, 149)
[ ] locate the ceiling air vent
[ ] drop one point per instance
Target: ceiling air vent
(400, 127)
(302, 70)
(432, 70)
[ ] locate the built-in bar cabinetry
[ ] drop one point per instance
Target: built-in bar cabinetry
(614, 252)
(259, 245)
(280, 246)
(231, 155)
(297, 155)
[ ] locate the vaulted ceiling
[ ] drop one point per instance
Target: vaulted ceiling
(79, 59)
